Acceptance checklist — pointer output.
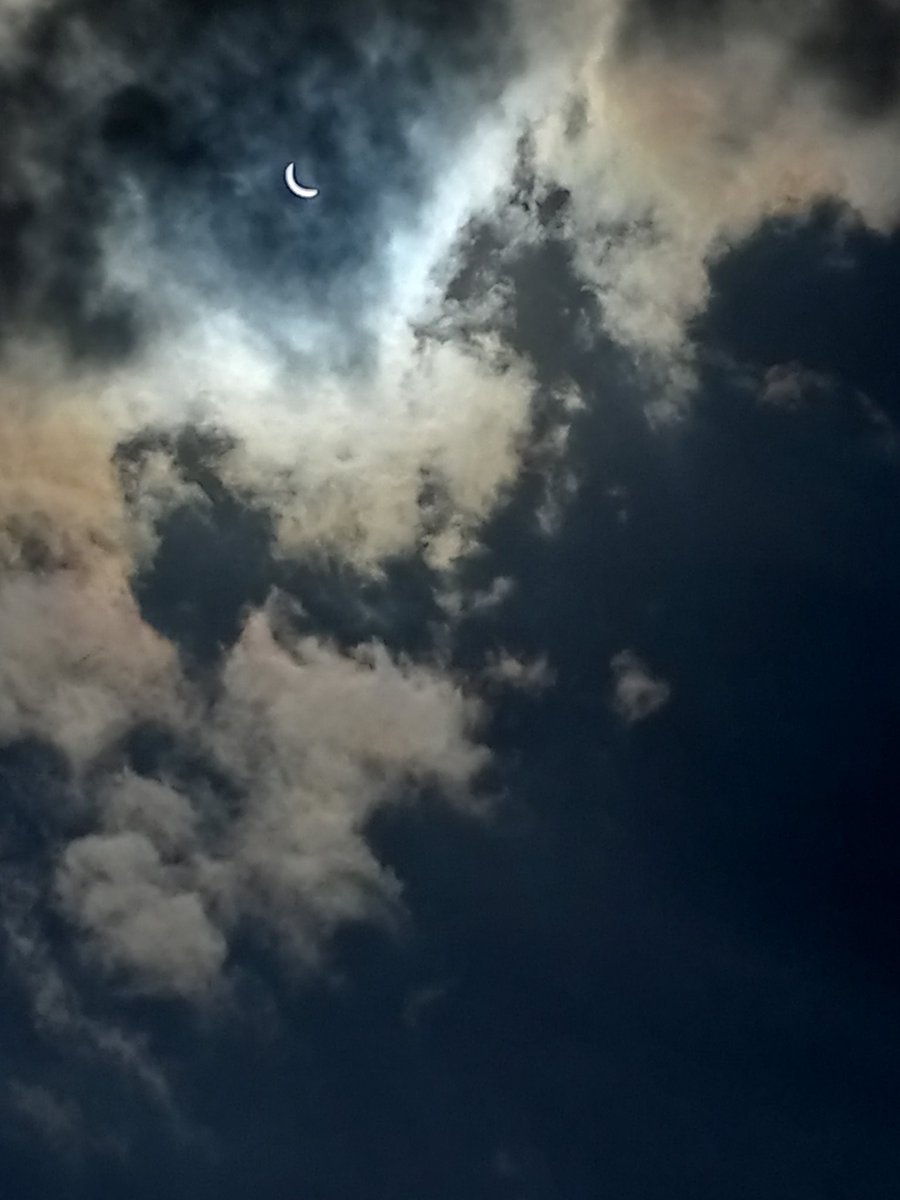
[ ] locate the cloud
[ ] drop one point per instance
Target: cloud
(791, 385)
(676, 130)
(310, 742)
(690, 124)
(56, 1119)
(250, 829)
(637, 694)
(320, 740)
(794, 388)
(58, 1011)
(142, 914)
(300, 743)
(59, 498)
(417, 456)
(421, 1000)
(168, 261)
(159, 277)
(457, 603)
(528, 675)
(178, 137)
(79, 667)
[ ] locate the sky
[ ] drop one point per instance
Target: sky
(448, 650)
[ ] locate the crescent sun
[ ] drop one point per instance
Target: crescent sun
(297, 188)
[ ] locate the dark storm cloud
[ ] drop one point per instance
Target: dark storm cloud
(196, 109)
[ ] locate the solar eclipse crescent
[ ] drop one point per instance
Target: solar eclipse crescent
(297, 188)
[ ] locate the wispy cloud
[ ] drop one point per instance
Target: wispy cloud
(637, 693)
